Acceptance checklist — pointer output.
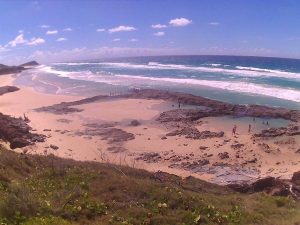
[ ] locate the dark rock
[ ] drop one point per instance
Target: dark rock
(17, 132)
(275, 132)
(31, 63)
(64, 121)
(18, 143)
(252, 160)
(54, 147)
(135, 123)
(8, 89)
(237, 146)
(111, 134)
(263, 184)
(149, 157)
(10, 69)
(223, 155)
(296, 178)
(194, 133)
(240, 187)
(116, 149)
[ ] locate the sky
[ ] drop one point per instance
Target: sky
(56, 30)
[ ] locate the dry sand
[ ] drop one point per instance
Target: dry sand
(77, 141)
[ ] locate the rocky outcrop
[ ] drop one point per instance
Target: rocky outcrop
(183, 115)
(149, 157)
(135, 123)
(215, 107)
(17, 132)
(272, 186)
(296, 178)
(10, 69)
(8, 89)
(106, 132)
(59, 109)
(30, 64)
(274, 132)
(194, 133)
(209, 107)
(223, 155)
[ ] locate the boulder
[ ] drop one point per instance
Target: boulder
(135, 123)
(223, 155)
(263, 183)
(296, 178)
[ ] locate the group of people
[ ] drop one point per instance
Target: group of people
(249, 127)
(235, 128)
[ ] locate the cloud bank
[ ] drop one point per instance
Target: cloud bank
(50, 32)
(20, 40)
(180, 22)
(121, 29)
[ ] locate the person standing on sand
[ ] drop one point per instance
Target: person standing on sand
(234, 130)
(249, 129)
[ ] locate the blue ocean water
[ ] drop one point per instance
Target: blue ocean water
(235, 79)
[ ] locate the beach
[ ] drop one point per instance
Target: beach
(130, 131)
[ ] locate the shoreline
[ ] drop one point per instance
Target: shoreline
(99, 129)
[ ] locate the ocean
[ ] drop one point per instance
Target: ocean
(234, 79)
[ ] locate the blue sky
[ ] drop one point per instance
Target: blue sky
(50, 31)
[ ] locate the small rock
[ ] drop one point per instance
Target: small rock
(223, 155)
(135, 123)
(54, 147)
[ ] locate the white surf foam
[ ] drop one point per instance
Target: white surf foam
(243, 87)
(49, 69)
(240, 71)
(266, 70)
(250, 88)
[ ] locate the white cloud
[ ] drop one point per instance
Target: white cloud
(121, 29)
(133, 40)
(61, 39)
(180, 22)
(20, 40)
(21, 31)
(36, 41)
(68, 29)
(3, 49)
(158, 26)
(159, 34)
(214, 23)
(116, 39)
(44, 26)
(50, 32)
(100, 30)
(17, 41)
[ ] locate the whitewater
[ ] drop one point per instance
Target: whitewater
(227, 78)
